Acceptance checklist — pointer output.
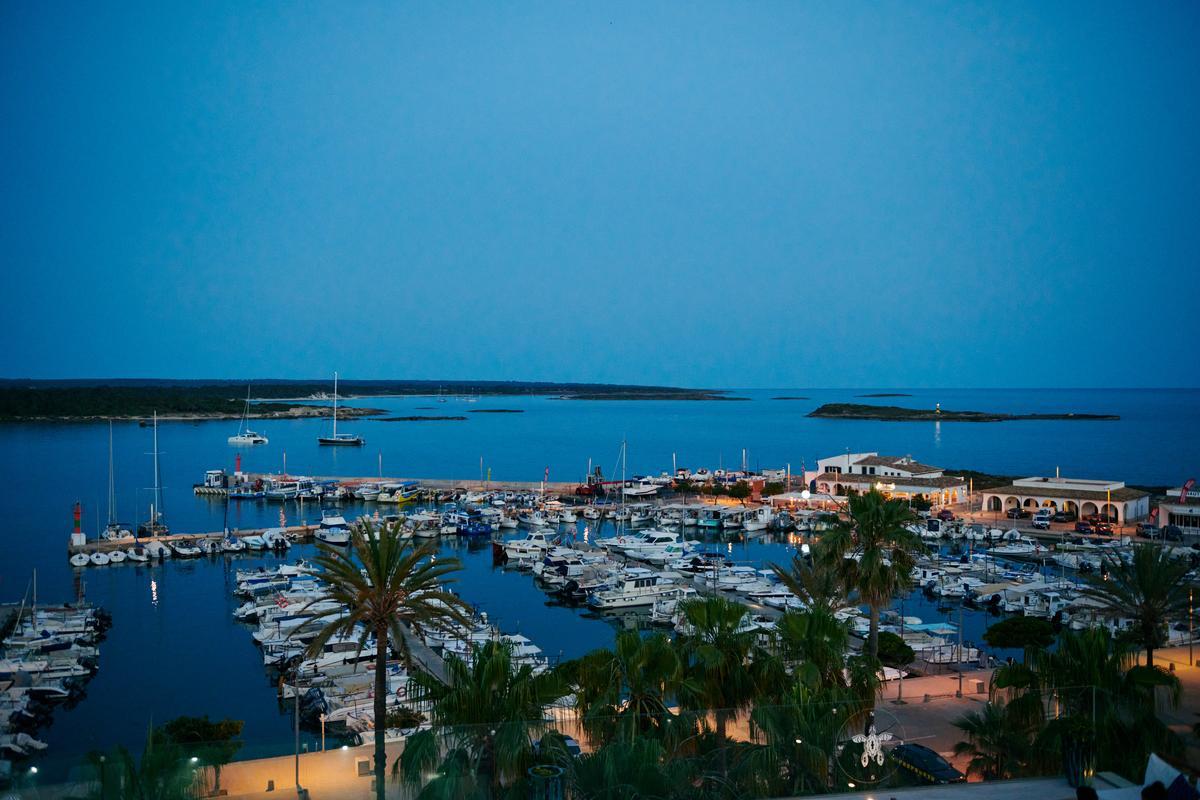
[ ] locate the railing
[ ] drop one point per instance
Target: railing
(767, 751)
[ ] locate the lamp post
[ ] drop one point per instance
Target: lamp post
(322, 732)
(960, 662)
(1191, 637)
(299, 790)
(900, 669)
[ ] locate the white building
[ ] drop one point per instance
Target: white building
(1182, 510)
(1110, 499)
(895, 476)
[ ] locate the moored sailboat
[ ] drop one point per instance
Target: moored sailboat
(345, 439)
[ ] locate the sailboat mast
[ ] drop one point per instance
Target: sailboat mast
(112, 486)
(157, 477)
(335, 405)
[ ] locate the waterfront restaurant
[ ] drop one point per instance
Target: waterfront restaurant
(895, 476)
(1112, 500)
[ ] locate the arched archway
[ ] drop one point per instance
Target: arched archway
(1088, 509)
(994, 503)
(1030, 502)
(1049, 504)
(1111, 512)
(1012, 502)
(1070, 507)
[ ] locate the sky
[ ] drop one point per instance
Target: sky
(704, 194)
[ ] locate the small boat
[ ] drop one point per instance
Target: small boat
(186, 550)
(339, 537)
(137, 553)
(98, 559)
(157, 550)
(232, 544)
(343, 439)
(245, 436)
(116, 556)
(276, 539)
(254, 543)
(80, 560)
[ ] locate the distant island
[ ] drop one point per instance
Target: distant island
(898, 414)
(786, 397)
(135, 398)
(496, 411)
(885, 394)
(419, 418)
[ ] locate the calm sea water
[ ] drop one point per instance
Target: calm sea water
(175, 650)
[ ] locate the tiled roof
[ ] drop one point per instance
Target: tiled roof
(1121, 495)
(898, 463)
(944, 482)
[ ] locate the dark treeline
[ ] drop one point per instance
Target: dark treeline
(131, 397)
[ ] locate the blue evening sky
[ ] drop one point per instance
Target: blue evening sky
(738, 194)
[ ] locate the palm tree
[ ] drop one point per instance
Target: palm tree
(488, 710)
(998, 743)
(817, 585)
(1089, 682)
(623, 692)
(1152, 588)
(723, 665)
(874, 552)
(386, 587)
(800, 731)
(815, 640)
(632, 769)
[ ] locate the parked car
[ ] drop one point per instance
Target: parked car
(1042, 523)
(1017, 513)
(1148, 530)
(1103, 527)
(1064, 516)
(1083, 527)
(1172, 534)
(925, 765)
(946, 515)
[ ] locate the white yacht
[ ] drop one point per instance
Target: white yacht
(638, 587)
(533, 545)
(245, 436)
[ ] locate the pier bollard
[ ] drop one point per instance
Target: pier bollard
(927, 698)
(271, 785)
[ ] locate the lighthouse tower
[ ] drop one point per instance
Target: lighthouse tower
(78, 539)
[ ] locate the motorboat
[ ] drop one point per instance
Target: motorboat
(638, 587)
(184, 549)
(156, 549)
(339, 537)
(275, 539)
(232, 544)
(137, 553)
(533, 545)
(255, 543)
(640, 488)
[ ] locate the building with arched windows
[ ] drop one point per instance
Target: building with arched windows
(895, 476)
(1110, 500)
